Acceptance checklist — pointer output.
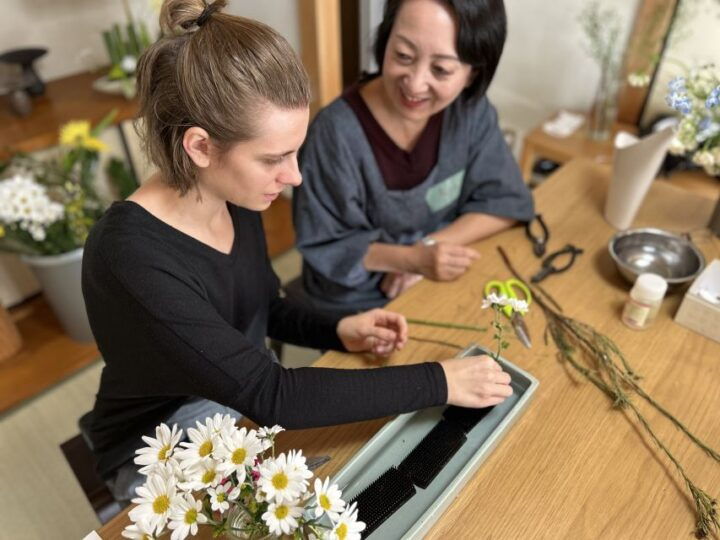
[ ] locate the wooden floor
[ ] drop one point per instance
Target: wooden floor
(48, 356)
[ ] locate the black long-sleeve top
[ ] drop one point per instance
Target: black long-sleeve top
(175, 318)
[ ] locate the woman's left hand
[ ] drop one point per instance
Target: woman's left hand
(378, 331)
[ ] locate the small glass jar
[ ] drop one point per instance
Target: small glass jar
(644, 301)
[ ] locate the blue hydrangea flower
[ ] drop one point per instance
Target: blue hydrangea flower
(713, 100)
(680, 102)
(677, 85)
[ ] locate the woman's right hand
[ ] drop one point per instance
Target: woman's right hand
(476, 381)
(443, 261)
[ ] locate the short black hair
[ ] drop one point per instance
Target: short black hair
(482, 29)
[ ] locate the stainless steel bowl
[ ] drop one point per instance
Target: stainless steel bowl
(673, 257)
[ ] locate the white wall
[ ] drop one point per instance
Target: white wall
(71, 29)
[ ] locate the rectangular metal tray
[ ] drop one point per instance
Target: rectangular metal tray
(398, 437)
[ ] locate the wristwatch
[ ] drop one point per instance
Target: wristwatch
(428, 241)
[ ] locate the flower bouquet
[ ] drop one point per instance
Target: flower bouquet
(230, 479)
(697, 98)
(47, 206)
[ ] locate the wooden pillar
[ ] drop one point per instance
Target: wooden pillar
(648, 38)
(321, 49)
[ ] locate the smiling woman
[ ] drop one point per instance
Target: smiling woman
(409, 165)
(177, 282)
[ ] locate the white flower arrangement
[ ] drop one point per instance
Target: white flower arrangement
(229, 478)
(697, 98)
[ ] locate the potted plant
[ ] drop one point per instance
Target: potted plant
(47, 207)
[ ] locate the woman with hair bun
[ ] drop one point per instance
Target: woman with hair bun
(177, 282)
(409, 166)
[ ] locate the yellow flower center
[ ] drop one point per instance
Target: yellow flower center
(325, 502)
(191, 516)
(341, 531)
(280, 481)
(163, 453)
(161, 504)
(238, 456)
(205, 448)
(281, 512)
(221, 497)
(208, 476)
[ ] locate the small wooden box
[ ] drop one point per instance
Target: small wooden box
(700, 309)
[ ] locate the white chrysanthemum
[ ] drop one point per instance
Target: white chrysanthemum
(267, 435)
(328, 499)
(347, 526)
(203, 442)
(185, 518)
(521, 306)
(26, 203)
(223, 424)
(298, 465)
(155, 501)
(221, 495)
(139, 531)
(238, 450)
(201, 475)
(160, 449)
(493, 299)
(280, 481)
(281, 518)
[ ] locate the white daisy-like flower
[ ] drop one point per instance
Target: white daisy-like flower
(224, 424)
(297, 464)
(267, 435)
(279, 481)
(521, 306)
(221, 495)
(493, 299)
(203, 441)
(185, 518)
(238, 450)
(155, 501)
(139, 531)
(328, 499)
(201, 475)
(281, 518)
(159, 450)
(347, 526)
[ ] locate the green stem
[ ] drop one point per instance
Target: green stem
(436, 341)
(448, 325)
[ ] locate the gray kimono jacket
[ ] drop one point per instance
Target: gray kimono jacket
(344, 205)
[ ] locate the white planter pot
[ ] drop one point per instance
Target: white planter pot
(59, 276)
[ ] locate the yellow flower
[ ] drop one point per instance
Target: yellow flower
(73, 133)
(2, 231)
(77, 133)
(94, 144)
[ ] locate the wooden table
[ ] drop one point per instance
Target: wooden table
(571, 467)
(538, 144)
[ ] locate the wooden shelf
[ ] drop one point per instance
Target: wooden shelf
(69, 98)
(47, 357)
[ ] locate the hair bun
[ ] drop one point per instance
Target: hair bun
(179, 16)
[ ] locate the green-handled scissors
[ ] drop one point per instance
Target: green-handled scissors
(510, 288)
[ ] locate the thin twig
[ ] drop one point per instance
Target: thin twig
(448, 325)
(436, 342)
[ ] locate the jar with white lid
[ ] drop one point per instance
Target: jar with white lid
(644, 301)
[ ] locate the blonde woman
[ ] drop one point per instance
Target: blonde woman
(177, 283)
